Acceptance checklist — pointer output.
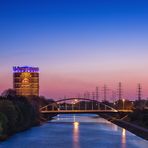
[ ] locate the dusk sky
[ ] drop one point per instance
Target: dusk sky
(77, 44)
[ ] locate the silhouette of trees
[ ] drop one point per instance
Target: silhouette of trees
(3, 124)
(8, 93)
(8, 109)
(18, 113)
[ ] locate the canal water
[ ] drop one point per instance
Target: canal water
(76, 131)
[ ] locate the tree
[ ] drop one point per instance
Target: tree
(9, 93)
(8, 109)
(3, 124)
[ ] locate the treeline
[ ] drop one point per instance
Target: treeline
(18, 113)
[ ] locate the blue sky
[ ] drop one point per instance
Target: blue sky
(68, 39)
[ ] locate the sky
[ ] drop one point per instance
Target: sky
(77, 44)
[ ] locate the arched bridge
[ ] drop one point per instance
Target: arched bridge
(79, 105)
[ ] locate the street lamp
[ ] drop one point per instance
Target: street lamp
(123, 100)
(76, 100)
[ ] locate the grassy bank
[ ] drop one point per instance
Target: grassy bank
(134, 122)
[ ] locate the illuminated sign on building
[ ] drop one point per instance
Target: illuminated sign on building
(25, 69)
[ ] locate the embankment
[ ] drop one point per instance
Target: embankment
(135, 129)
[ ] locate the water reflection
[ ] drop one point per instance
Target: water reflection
(58, 117)
(76, 134)
(76, 125)
(114, 127)
(123, 138)
(69, 131)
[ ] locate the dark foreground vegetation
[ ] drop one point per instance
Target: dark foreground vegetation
(18, 113)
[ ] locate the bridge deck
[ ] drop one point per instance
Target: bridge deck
(84, 111)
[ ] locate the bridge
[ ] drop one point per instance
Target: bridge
(79, 105)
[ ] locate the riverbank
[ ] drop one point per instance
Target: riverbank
(7, 136)
(135, 129)
(20, 113)
(40, 123)
(43, 119)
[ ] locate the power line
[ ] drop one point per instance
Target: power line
(105, 91)
(120, 93)
(139, 91)
(97, 93)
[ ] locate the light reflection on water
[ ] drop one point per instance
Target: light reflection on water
(72, 131)
(76, 134)
(123, 138)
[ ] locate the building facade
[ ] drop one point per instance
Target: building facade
(26, 80)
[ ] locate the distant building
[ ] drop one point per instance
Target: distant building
(26, 80)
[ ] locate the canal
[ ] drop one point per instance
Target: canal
(75, 131)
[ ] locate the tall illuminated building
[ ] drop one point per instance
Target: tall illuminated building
(26, 80)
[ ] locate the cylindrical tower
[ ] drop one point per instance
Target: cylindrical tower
(26, 80)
